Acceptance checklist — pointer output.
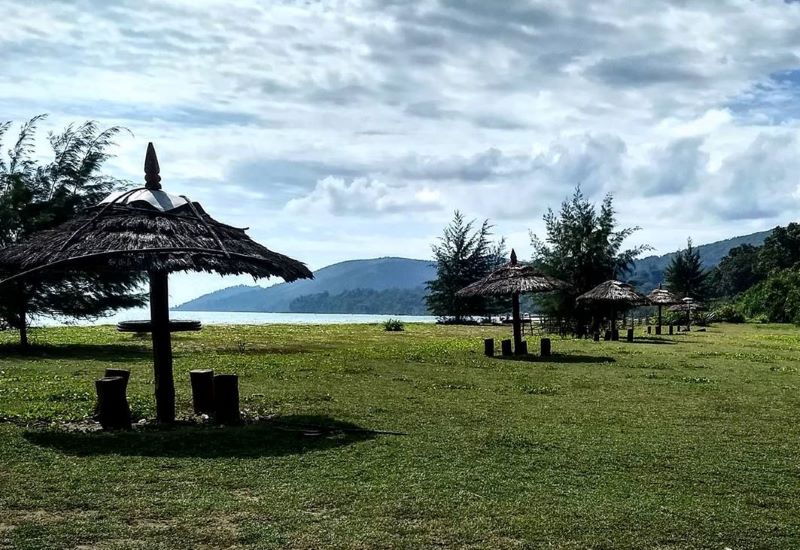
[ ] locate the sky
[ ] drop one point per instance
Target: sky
(343, 129)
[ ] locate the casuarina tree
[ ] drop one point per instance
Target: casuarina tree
(38, 195)
(685, 275)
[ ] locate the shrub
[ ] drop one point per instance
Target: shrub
(393, 325)
(776, 299)
(727, 313)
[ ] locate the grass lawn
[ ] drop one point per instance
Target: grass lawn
(690, 441)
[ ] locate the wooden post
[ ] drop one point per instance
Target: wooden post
(226, 399)
(122, 373)
(522, 348)
(505, 347)
(112, 404)
(658, 330)
(516, 320)
(162, 347)
(670, 330)
(630, 335)
(544, 346)
(488, 347)
(202, 391)
(23, 316)
(649, 329)
(597, 336)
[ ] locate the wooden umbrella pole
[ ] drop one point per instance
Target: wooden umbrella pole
(162, 347)
(659, 314)
(517, 322)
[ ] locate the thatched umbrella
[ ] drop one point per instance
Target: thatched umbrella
(688, 305)
(514, 279)
(613, 294)
(662, 297)
(149, 230)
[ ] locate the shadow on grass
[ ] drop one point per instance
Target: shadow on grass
(557, 358)
(288, 435)
(664, 340)
(99, 352)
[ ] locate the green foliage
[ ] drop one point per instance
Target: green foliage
(736, 272)
(463, 255)
(393, 325)
(685, 274)
(781, 250)
(398, 301)
(775, 299)
(37, 196)
(727, 313)
(583, 247)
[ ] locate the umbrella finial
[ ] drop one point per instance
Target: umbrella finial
(151, 169)
(513, 257)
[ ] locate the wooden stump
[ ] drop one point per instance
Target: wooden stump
(544, 346)
(649, 329)
(112, 405)
(488, 347)
(505, 347)
(226, 399)
(615, 335)
(670, 330)
(658, 330)
(522, 348)
(202, 391)
(629, 336)
(607, 336)
(597, 336)
(122, 373)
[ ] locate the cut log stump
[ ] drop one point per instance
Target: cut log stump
(202, 381)
(488, 347)
(545, 346)
(226, 399)
(113, 411)
(505, 348)
(122, 373)
(629, 336)
(522, 348)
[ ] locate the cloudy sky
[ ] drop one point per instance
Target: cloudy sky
(353, 128)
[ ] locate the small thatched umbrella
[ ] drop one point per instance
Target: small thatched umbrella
(662, 297)
(613, 294)
(514, 279)
(688, 305)
(148, 230)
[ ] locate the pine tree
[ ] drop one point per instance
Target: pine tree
(685, 275)
(463, 255)
(37, 196)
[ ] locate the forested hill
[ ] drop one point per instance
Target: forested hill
(649, 272)
(395, 286)
(381, 285)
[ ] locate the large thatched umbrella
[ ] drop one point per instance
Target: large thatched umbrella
(514, 279)
(149, 230)
(662, 297)
(613, 294)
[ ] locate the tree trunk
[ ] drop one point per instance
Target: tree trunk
(23, 317)
(162, 348)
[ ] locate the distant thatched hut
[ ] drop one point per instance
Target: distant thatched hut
(614, 295)
(149, 230)
(514, 279)
(662, 297)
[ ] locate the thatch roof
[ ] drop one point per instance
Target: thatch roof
(511, 278)
(613, 292)
(663, 297)
(148, 230)
(687, 304)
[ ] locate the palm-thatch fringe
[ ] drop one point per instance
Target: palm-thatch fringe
(663, 297)
(513, 278)
(613, 292)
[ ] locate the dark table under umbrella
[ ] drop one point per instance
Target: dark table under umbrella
(149, 230)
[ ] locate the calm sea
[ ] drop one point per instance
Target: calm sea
(241, 318)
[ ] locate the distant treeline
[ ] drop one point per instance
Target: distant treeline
(396, 301)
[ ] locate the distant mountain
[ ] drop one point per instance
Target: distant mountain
(649, 272)
(380, 274)
(396, 285)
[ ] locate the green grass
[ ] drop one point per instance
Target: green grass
(690, 441)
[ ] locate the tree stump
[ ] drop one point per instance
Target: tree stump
(597, 336)
(113, 411)
(629, 336)
(202, 391)
(122, 373)
(488, 347)
(522, 348)
(658, 330)
(544, 346)
(615, 335)
(505, 347)
(607, 336)
(226, 399)
(670, 330)
(649, 329)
